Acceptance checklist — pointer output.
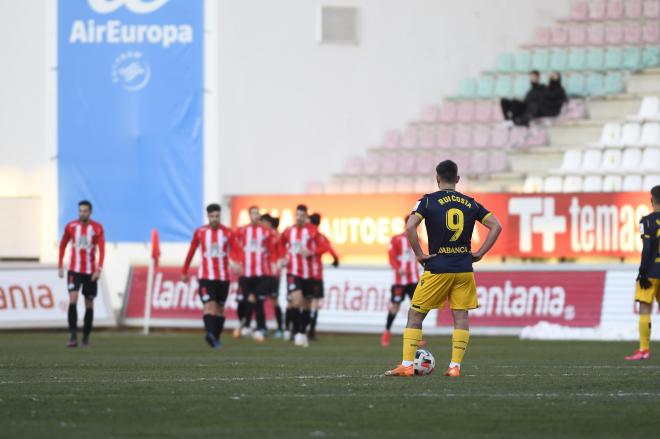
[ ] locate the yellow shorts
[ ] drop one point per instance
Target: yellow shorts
(433, 290)
(647, 295)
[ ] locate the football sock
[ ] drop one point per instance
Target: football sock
(219, 326)
(312, 323)
(459, 343)
(73, 319)
(261, 315)
(411, 338)
(249, 309)
(89, 320)
(390, 320)
(278, 317)
(209, 323)
(288, 318)
(644, 332)
(240, 311)
(295, 320)
(304, 321)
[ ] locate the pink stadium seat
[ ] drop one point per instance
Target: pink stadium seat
(479, 163)
(633, 9)
(542, 36)
(371, 163)
(632, 33)
(651, 9)
(537, 137)
(447, 112)
(465, 112)
(483, 111)
(388, 164)
(463, 137)
(575, 109)
(463, 161)
(392, 139)
(481, 136)
(615, 9)
(517, 136)
(577, 35)
(497, 112)
(499, 137)
(580, 11)
(614, 33)
(651, 32)
(424, 163)
(368, 185)
(406, 163)
(497, 162)
(404, 185)
(596, 34)
(410, 137)
(444, 136)
(354, 165)
(559, 35)
(597, 10)
(426, 137)
(430, 113)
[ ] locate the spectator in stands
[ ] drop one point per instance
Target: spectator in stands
(555, 96)
(517, 112)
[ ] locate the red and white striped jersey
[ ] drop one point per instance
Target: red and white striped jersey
(215, 246)
(294, 240)
(84, 237)
(256, 245)
(322, 246)
(403, 261)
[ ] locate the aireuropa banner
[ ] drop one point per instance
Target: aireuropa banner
(537, 226)
(35, 297)
(130, 114)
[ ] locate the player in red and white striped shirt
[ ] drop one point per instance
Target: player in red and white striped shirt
(218, 251)
(256, 244)
(406, 275)
(300, 242)
(275, 259)
(85, 236)
(323, 246)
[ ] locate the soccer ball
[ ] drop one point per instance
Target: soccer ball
(424, 363)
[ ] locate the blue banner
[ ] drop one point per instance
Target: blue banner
(130, 114)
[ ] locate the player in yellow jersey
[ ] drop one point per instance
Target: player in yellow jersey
(449, 217)
(648, 279)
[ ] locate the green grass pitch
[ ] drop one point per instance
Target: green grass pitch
(173, 385)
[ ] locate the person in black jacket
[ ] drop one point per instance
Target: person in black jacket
(555, 96)
(521, 112)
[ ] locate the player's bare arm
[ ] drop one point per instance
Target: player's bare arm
(494, 229)
(411, 232)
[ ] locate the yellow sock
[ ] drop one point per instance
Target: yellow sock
(411, 338)
(644, 331)
(459, 343)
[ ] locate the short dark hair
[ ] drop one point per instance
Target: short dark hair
(85, 203)
(275, 221)
(655, 193)
(253, 207)
(535, 72)
(447, 171)
(214, 207)
(302, 207)
(315, 219)
(266, 217)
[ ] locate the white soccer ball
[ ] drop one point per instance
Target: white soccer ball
(424, 363)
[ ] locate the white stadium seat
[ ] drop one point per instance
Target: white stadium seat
(632, 183)
(610, 135)
(611, 160)
(631, 160)
(651, 159)
(651, 181)
(591, 161)
(572, 183)
(572, 161)
(630, 134)
(612, 183)
(648, 110)
(592, 183)
(650, 135)
(552, 184)
(533, 184)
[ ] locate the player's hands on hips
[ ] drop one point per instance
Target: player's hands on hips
(423, 258)
(644, 281)
(60, 273)
(96, 275)
(335, 262)
(476, 257)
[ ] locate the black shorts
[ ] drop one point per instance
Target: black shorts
(257, 285)
(213, 290)
(318, 291)
(306, 286)
(400, 292)
(77, 280)
(273, 286)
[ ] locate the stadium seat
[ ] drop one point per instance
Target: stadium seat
(613, 58)
(424, 184)
(537, 137)
(592, 160)
(592, 183)
(575, 85)
(630, 134)
(368, 185)
(577, 59)
(559, 60)
(572, 184)
(386, 185)
(424, 163)
(597, 10)
(463, 137)
(517, 135)
(485, 87)
(541, 60)
(580, 11)
(575, 109)
(523, 61)
(533, 184)
(559, 35)
(612, 183)
(444, 136)
(335, 185)
(496, 112)
(462, 159)
(632, 183)
(632, 58)
(448, 112)
(483, 111)
(504, 86)
(410, 137)
(430, 113)
(572, 161)
(615, 9)
(611, 160)
(499, 137)
(577, 35)
(650, 135)
(479, 163)
(650, 181)
(404, 185)
(651, 9)
(651, 33)
(648, 110)
(465, 112)
(610, 135)
(389, 164)
(651, 159)
(468, 88)
(614, 83)
(405, 163)
(521, 86)
(595, 84)
(552, 184)
(596, 58)
(614, 33)
(651, 57)
(596, 34)
(481, 136)
(542, 36)
(632, 33)
(354, 165)
(633, 9)
(371, 163)
(392, 139)
(498, 161)
(631, 159)
(426, 136)
(505, 63)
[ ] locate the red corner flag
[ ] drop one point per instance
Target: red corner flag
(155, 246)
